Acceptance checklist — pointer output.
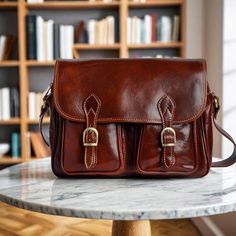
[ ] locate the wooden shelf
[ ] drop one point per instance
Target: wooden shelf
(156, 3)
(9, 160)
(12, 121)
(46, 120)
(121, 8)
(72, 5)
(85, 46)
(156, 45)
(9, 63)
(34, 63)
(8, 5)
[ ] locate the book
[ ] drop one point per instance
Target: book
(5, 103)
(166, 29)
(154, 28)
(31, 105)
(129, 30)
(3, 42)
(6, 45)
(91, 31)
(175, 30)
(49, 40)
(15, 145)
(148, 27)
(39, 147)
(69, 41)
(40, 39)
(56, 37)
(1, 104)
(14, 102)
(31, 37)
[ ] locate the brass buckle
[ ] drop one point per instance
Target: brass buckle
(90, 129)
(162, 137)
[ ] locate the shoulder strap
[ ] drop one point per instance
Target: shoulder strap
(232, 158)
(44, 111)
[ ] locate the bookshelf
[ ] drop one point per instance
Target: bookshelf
(28, 70)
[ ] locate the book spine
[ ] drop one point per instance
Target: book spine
(111, 29)
(5, 103)
(50, 47)
(165, 29)
(16, 100)
(1, 104)
(3, 42)
(31, 105)
(91, 31)
(56, 41)
(15, 145)
(154, 29)
(31, 37)
(40, 38)
(62, 41)
(175, 30)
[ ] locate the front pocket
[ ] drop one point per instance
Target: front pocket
(150, 150)
(109, 155)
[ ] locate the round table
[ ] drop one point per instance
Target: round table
(131, 203)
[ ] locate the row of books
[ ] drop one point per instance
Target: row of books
(47, 41)
(101, 31)
(35, 101)
(9, 103)
(6, 44)
(150, 29)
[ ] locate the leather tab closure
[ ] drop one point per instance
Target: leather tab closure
(91, 107)
(166, 107)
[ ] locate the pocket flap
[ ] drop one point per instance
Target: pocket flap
(129, 89)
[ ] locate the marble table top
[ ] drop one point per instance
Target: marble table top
(33, 186)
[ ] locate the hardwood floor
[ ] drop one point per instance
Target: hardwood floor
(18, 222)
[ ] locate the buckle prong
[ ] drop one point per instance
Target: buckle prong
(92, 144)
(162, 137)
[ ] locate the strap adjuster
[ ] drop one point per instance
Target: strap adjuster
(168, 129)
(87, 131)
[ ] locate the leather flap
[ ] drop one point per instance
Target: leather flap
(129, 89)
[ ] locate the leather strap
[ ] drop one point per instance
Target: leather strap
(91, 107)
(232, 158)
(166, 107)
(44, 110)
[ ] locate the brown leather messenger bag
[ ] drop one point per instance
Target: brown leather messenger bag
(132, 117)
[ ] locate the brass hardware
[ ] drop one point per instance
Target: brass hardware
(162, 137)
(90, 129)
(216, 103)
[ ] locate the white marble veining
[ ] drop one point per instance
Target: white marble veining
(33, 186)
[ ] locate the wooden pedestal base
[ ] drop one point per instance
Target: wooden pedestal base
(131, 228)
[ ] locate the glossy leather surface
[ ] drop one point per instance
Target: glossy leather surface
(125, 104)
(129, 90)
